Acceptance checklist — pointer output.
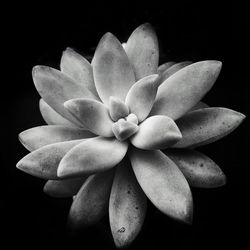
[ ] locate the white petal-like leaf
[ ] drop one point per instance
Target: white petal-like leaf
(63, 188)
(92, 114)
(51, 117)
(78, 68)
(173, 69)
(141, 96)
(127, 206)
(56, 88)
(182, 90)
(38, 137)
(204, 126)
(91, 202)
(143, 52)
(96, 155)
(163, 183)
(113, 73)
(156, 132)
(43, 162)
(164, 67)
(199, 170)
(117, 108)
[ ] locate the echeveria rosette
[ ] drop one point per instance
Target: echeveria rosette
(122, 129)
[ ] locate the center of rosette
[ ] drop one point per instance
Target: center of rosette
(125, 124)
(124, 128)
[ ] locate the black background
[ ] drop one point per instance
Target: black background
(37, 34)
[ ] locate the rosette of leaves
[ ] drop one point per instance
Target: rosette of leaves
(123, 130)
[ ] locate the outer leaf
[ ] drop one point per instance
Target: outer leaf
(55, 88)
(51, 117)
(142, 50)
(96, 155)
(163, 183)
(44, 161)
(127, 206)
(164, 67)
(63, 188)
(204, 126)
(91, 202)
(78, 68)
(199, 105)
(199, 170)
(156, 132)
(113, 73)
(181, 91)
(173, 69)
(38, 137)
(141, 96)
(92, 114)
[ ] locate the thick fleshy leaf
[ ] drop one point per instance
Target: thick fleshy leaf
(56, 88)
(123, 129)
(113, 73)
(127, 206)
(141, 96)
(117, 108)
(96, 155)
(43, 162)
(199, 170)
(173, 69)
(92, 114)
(78, 68)
(91, 202)
(156, 132)
(63, 188)
(204, 126)
(38, 137)
(132, 118)
(51, 117)
(199, 105)
(163, 183)
(164, 67)
(182, 90)
(143, 52)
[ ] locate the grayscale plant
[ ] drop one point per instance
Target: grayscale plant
(122, 129)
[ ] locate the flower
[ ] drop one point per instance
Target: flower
(121, 130)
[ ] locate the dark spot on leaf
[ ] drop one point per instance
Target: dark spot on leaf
(201, 165)
(136, 208)
(121, 230)
(128, 192)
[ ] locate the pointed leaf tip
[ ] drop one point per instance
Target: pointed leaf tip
(163, 183)
(96, 155)
(199, 170)
(56, 87)
(113, 73)
(117, 108)
(44, 161)
(175, 97)
(207, 125)
(127, 206)
(156, 132)
(143, 51)
(141, 96)
(92, 114)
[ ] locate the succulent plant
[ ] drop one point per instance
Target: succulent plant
(122, 129)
